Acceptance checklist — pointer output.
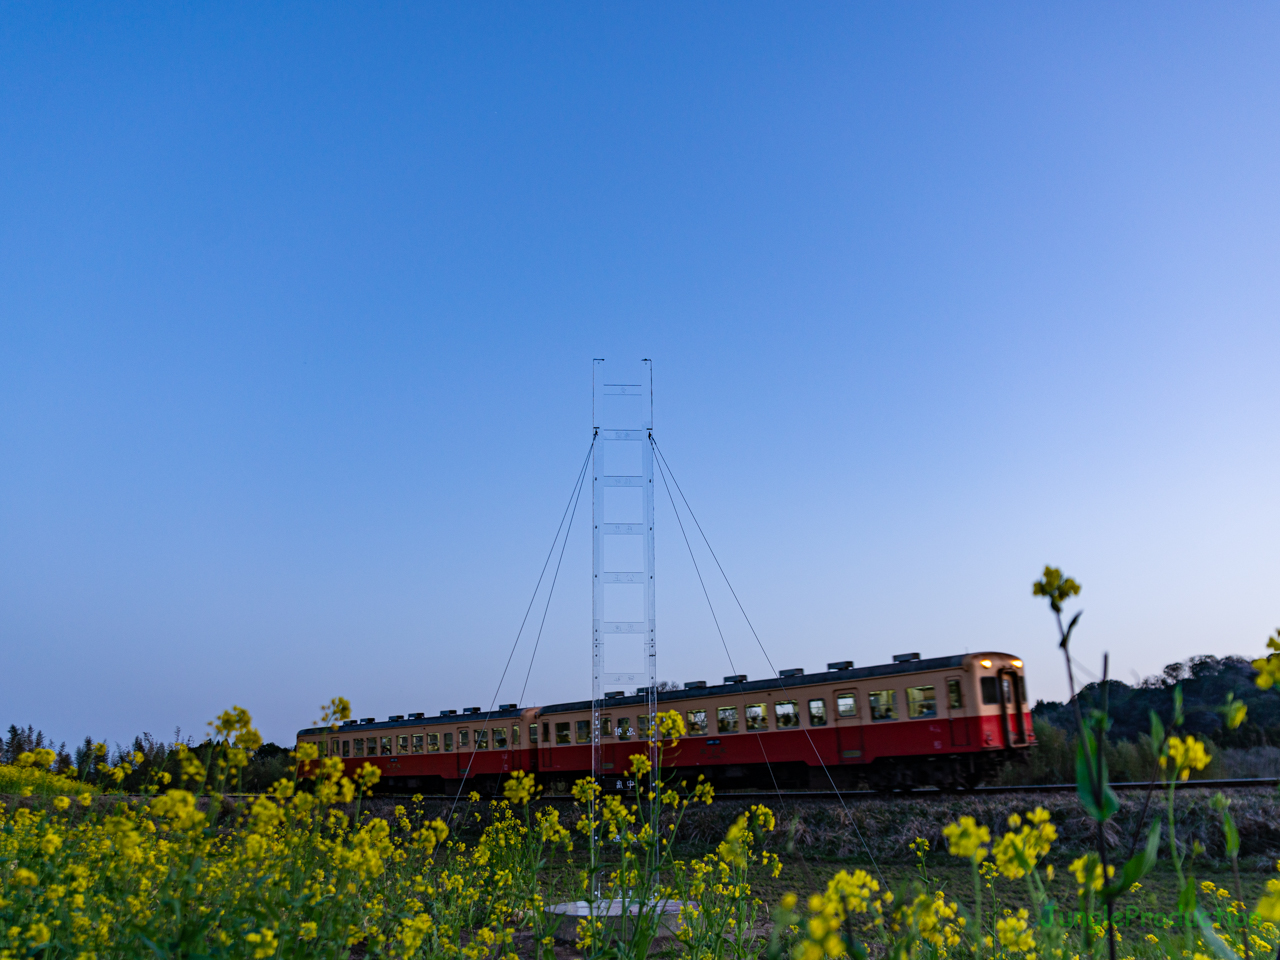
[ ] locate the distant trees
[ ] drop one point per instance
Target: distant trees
(90, 760)
(1205, 680)
(19, 741)
(1130, 755)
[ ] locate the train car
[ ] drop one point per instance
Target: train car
(948, 722)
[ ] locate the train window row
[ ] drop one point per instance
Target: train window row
(921, 703)
(429, 742)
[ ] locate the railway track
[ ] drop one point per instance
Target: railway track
(928, 792)
(922, 793)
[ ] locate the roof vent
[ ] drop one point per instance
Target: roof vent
(905, 657)
(736, 678)
(642, 691)
(416, 716)
(614, 694)
(448, 713)
(470, 709)
(506, 706)
(369, 720)
(840, 665)
(795, 672)
(395, 716)
(349, 723)
(696, 685)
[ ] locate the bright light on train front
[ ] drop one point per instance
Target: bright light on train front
(1017, 663)
(985, 663)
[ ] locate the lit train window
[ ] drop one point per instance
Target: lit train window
(346, 748)
(990, 692)
(606, 726)
(402, 743)
(624, 728)
(697, 723)
(921, 702)
(583, 731)
(817, 713)
(482, 739)
(448, 741)
(955, 696)
(562, 733)
(786, 714)
(515, 735)
(642, 726)
(533, 734)
(462, 739)
(884, 704)
(757, 717)
(847, 704)
(386, 746)
(499, 738)
(333, 747)
(322, 748)
(727, 720)
(360, 747)
(433, 742)
(417, 743)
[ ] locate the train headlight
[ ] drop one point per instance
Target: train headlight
(1017, 663)
(985, 663)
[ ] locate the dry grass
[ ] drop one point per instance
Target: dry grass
(885, 827)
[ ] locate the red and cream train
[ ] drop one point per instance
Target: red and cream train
(947, 722)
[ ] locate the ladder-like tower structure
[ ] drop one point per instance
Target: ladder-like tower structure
(623, 650)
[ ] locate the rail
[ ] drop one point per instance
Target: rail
(920, 793)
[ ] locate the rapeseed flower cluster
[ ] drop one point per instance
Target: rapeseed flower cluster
(967, 839)
(292, 873)
(1184, 754)
(850, 911)
(1268, 667)
(1016, 854)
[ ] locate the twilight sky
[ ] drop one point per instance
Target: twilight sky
(298, 304)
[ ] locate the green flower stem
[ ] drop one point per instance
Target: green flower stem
(977, 899)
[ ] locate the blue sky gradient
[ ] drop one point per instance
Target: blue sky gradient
(298, 304)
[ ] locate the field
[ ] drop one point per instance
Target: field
(317, 868)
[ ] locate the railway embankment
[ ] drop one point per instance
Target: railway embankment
(883, 827)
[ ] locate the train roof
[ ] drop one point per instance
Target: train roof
(671, 696)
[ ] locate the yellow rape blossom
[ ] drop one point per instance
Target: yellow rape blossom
(1016, 854)
(520, 788)
(966, 838)
(1269, 666)
(1187, 754)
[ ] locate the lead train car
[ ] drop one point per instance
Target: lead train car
(947, 722)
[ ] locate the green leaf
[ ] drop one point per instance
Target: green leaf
(1137, 866)
(1099, 800)
(1157, 731)
(1211, 938)
(1187, 899)
(1233, 835)
(1177, 705)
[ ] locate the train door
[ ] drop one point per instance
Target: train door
(849, 725)
(545, 760)
(959, 712)
(502, 747)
